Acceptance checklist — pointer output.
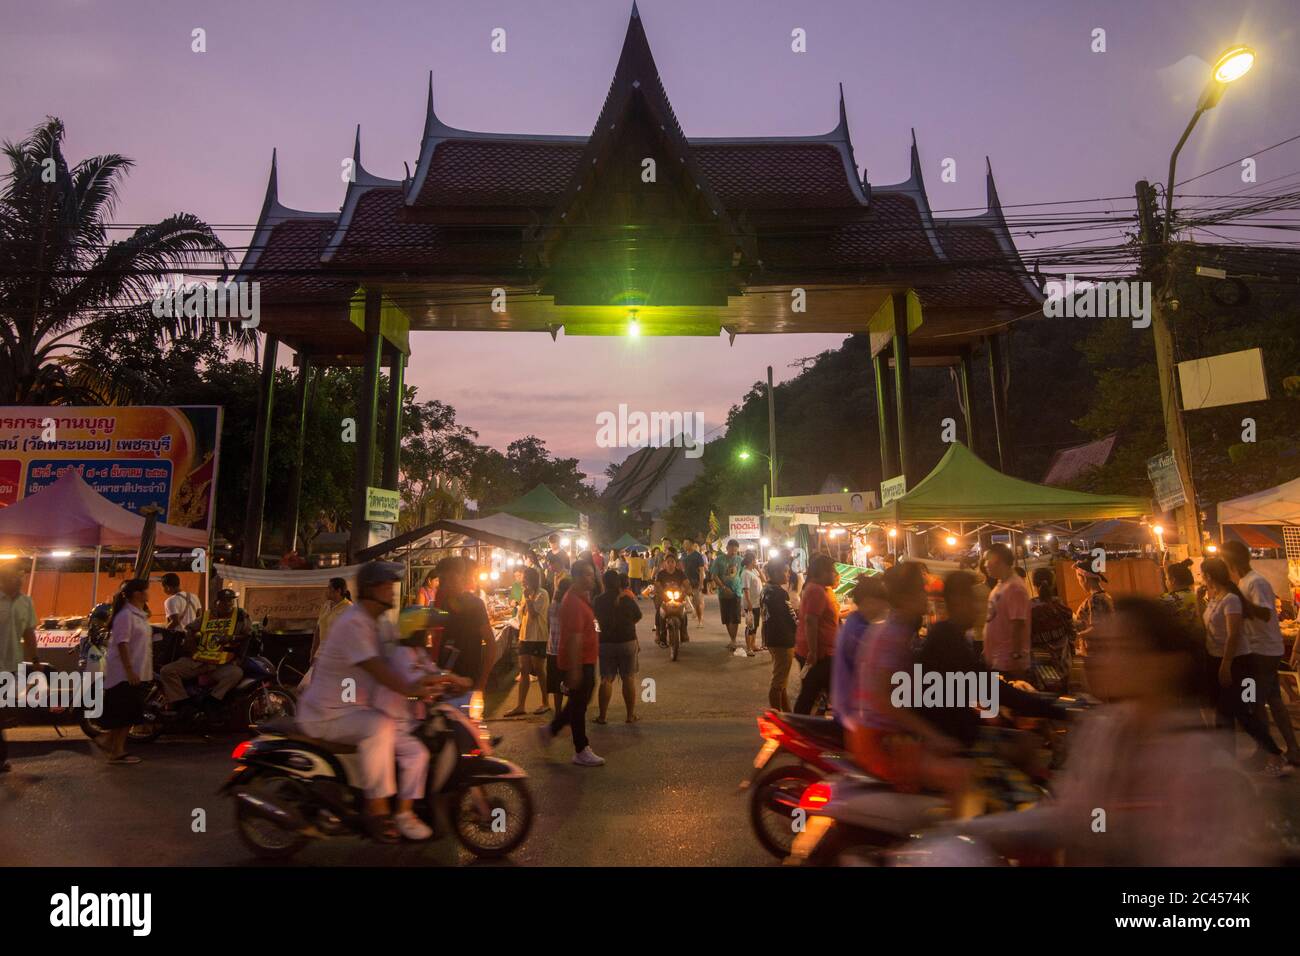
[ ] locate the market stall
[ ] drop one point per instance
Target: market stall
(1259, 516)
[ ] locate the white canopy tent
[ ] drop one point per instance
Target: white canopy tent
(1278, 505)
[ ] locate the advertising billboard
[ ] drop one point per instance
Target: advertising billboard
(134, 456)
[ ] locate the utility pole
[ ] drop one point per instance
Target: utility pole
(1157, 268)
(771, 440)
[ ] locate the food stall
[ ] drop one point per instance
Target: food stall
(497, 544)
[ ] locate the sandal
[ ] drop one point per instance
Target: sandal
(633, 719)
(517, 712)
(600, 720)
(381, 829)
(124, 760)
(542, 710)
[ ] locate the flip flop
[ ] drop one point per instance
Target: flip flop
(633, 720)
(517, 712)
(124, 760)
(542, 710)
(600, 720)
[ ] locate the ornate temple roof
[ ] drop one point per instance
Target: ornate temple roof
(481, 210)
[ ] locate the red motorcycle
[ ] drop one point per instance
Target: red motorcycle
(817, 745)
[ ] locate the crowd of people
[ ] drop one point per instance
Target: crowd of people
(1179, 675)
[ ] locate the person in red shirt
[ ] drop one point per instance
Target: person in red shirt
(579, 649)
(814, 641)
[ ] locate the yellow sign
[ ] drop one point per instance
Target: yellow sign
(214, 635)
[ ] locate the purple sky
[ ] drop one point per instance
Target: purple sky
(1014, 80)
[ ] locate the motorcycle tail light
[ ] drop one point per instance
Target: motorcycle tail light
(816, 796)
(241, 748)
(769, 730)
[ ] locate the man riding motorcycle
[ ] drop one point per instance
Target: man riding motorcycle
(670, 577)
(216, 641)
(344, 704)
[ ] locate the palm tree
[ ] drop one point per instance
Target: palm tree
(61, 277)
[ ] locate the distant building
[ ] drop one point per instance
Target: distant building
(650, 478)
(1069, 463)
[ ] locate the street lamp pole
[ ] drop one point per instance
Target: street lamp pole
(771, 437)
(1232, 65)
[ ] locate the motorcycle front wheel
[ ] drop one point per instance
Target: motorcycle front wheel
(674, 639)
(492, 819)
(270, 703)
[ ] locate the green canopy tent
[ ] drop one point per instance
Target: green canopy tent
(627, 541)
(542, 506)
(962, 488)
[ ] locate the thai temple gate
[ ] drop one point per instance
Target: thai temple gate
(635, 223)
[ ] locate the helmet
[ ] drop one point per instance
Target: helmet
(226, 594)
(377, 572)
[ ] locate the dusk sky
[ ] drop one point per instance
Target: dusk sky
(1014, 80)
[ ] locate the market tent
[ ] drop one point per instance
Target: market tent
(70, 513)
(542, 505)
(1280, 505)
(499, 530)
(962, 488)
(627, 541)
(1120, 531)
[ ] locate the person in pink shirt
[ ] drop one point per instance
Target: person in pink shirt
(1006, 633)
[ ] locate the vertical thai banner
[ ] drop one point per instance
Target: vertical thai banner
(134, 456)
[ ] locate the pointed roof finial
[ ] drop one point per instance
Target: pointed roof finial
(636, 14)
(991, 190)
(356, 149)
(844, 119)
(916, 158)
(429, 118)
(272, 187)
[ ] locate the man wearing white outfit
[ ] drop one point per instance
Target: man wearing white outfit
(342, 704)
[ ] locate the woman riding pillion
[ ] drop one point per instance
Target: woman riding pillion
(341, 705)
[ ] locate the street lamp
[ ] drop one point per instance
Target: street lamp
(1232, 65)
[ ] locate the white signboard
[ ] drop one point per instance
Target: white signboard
(1227, 379)
(745, 528)
(847, 503)
(893, 488)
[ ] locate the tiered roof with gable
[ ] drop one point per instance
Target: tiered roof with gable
(485, 210)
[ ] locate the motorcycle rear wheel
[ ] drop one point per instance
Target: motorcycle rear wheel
(775, 831)
(266, 840)
(479, 835)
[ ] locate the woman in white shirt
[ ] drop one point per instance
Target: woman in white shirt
(128, 669)
(1230, 659)
(752, 593)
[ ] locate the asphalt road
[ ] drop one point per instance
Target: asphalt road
(668, 795)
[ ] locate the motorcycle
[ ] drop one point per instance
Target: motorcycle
(289, 788)
(775, 789)
(673, 609)
(855, 819)
(256, 698)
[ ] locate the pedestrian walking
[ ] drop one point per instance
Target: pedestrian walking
(534, 636)
(128, 669)
(617, 613)
(752, 594)
(17, 640)
(725, 572)
(819, 621)
(779, 626)
(578, 654)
